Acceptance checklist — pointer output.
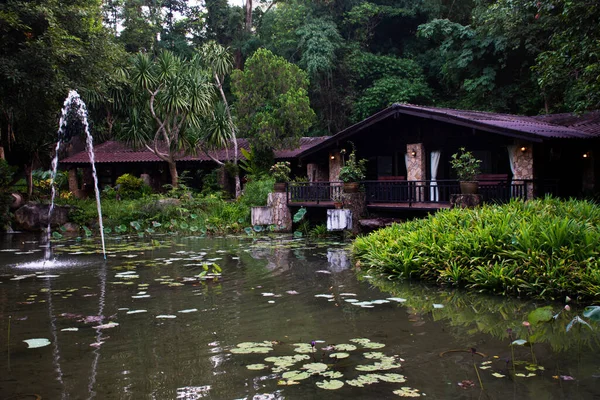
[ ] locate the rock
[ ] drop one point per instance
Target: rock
(16, 201)
(34, 216)
(375, 223)
(70, 227)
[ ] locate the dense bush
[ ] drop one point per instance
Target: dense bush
(543, 248)
(6, 175)
(150, 214)
(256, 192)
(130, 187)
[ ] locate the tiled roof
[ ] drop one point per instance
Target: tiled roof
(531, 128)
(119, 152)
(511, 123)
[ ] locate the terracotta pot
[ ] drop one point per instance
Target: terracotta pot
(279, 187)
(338, 205)
(469, 187)
(351, 187)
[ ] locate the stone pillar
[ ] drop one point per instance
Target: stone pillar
(523, 164)
(282, 216)
(357, 203)
(335, 164)
(416, 169)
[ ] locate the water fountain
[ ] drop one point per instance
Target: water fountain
(74, 102)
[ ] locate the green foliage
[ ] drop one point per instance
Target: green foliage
(281, 171)
(353, 170)
(384, 80)
(256, 192)
(542, 248)
(191, 215)
(131, 187)
(465, 165)
(6, 178)
(319, 41)
(273, 106)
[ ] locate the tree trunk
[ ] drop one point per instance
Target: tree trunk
(238, 185)
(174, 175)
(2, 156)
(248, 15)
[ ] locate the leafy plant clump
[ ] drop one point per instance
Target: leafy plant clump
(353, 170)
(131, 187)
(541, 248)
(466, 165)
(280, 171)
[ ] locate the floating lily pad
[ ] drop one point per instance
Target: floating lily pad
(392, 378)
(339, 355)
(373, 345)
(35, 343)
(360, 341)
(69, 330)
(497, 375)
(189, 310)
(374, 354)
(315, 367)
(332, 374)
(397, 299)
(327, 296)
(407, 392)
(345, 347)
(136, 311)
(107, 326)
(256, 367)
(519, 342)
(296, 375)
(166, 316)
(330, 385)
(541, 314)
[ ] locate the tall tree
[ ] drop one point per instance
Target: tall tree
(173, 96)
(48, 47)
(273, 106)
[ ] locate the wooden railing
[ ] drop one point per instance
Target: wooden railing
(402, 191)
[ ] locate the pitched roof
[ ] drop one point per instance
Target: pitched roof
(530, 128)
(119, 152)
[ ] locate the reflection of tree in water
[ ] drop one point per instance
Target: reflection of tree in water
(470, 312)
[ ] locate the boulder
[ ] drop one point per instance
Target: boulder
(34, 217)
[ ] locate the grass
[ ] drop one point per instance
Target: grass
(543, 248)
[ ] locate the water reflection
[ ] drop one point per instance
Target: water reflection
(190, 357)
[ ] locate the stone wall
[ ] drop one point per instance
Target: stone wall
(416, 170)
(282, 217)
(357, 204)
(335, 164)
(523, 164)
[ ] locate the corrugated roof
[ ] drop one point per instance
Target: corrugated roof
(119, 152)
(531, 128)
(588, 122)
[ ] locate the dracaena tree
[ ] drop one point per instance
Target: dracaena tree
(172, 97)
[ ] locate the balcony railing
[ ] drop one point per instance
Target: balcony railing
(402, 191)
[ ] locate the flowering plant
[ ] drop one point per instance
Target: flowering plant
(281, 171)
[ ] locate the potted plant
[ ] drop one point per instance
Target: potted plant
(352, 172)
(281, 173)
(466, 167)
(338, 199)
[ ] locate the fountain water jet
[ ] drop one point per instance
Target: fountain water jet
(73, 101)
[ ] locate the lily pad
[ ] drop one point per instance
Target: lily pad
(541, 314)
(339, 355)
(519, 342)
(592, 312)
(330, 385)
(315, 367)
(256, 367)
(166, 316)
(136, 311)
(187, 311)
(35, 343)
(373, 345)
(296, 375)
(392, 378)
(107, 326)
(332, 374)
(360, 341)
(69, 330)
(345, 347)
(374, 354)
(407, 392)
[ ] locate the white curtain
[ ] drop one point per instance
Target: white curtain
(435, 162)
(406, 160)
(511, 161)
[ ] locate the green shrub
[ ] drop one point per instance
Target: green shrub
(543, 248)
(7, 173)
(130, 187)
(256, 192)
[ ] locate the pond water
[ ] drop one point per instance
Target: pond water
(280, 299)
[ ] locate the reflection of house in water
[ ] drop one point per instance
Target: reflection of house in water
(338, 259)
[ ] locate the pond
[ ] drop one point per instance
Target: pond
(265, 318)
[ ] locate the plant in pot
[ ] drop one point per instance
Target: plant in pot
(280, 171)
(352, 172)
(338, 199)
(466, 166)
